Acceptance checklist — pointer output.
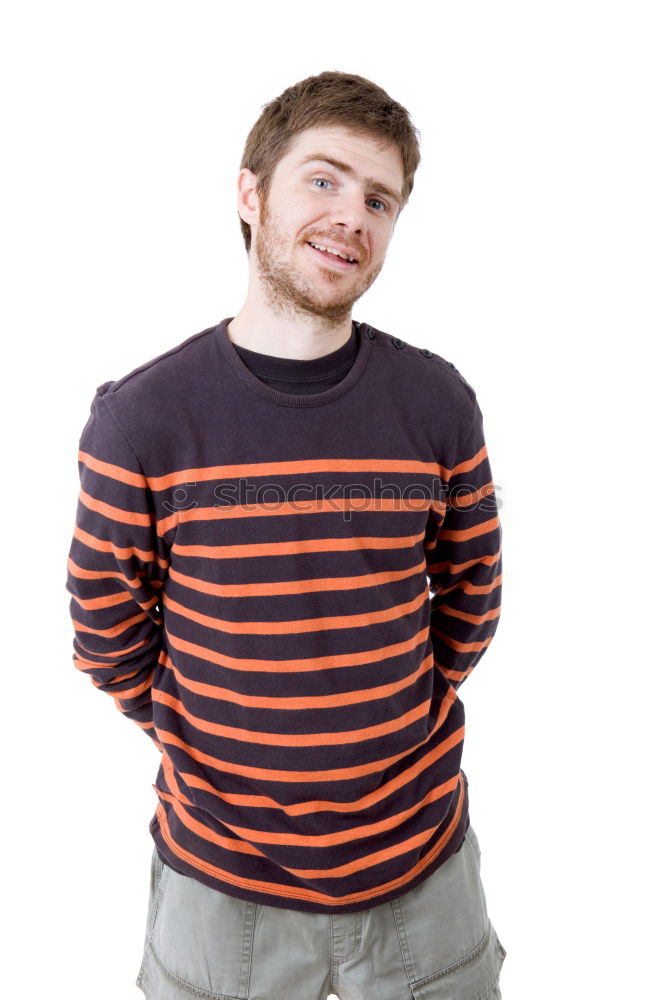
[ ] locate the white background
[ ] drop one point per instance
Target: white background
(531, 254)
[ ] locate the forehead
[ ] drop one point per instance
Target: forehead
(368, 156)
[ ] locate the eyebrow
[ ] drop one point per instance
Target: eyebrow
(346, 169)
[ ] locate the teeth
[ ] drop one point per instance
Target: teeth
(344, 256)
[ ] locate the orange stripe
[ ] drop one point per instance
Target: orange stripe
(108, 633)
(464, 616)
(455, 675)
(292, 666)
(116, 652)
(116, 472)
(115, 513)
(300, 702)
(116, 680)
(298, 546)
(298, 625)
(108, 601)
(138, 689)
(305, 586)
(460, 647)
(463, 534)
(470, 463)
(82, 664)
(320, 505)
(453, 568)
(292, 467)
(98, 574)
(287, 468)
(268, 739)
(462, 500)
(128, 552)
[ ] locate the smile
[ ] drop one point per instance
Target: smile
(332, 259)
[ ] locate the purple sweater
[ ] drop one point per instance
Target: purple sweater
(285, 590)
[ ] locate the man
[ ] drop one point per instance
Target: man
(265, 510)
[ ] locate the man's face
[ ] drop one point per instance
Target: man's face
(319, 202)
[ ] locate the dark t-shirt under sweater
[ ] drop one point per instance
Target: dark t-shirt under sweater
(303, 377)
(283, 571)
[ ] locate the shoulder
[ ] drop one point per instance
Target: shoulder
(425, 391)
(422, 367)
(162, 374)
(149, 403)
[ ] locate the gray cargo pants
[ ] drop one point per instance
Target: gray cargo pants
(434, 943)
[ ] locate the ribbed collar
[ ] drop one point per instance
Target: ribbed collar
(234, 358)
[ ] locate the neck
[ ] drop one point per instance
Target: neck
(299, 338)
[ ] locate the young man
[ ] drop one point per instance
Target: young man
(265, 510)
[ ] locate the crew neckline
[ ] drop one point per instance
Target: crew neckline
(288, 398)
(329, 368)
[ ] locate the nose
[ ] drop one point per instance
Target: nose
(349, 210)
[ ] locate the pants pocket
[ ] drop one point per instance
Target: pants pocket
(201, 938)
(156, 872)
(449, 946)
(473, 840)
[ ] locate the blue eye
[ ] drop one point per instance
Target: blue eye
(325, 181)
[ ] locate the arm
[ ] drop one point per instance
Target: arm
(115, 570)
(464, 560)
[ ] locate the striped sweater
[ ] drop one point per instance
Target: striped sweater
(285, 592)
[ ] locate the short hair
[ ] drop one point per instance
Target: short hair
(329, 99)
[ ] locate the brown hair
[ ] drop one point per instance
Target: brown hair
(332, 98)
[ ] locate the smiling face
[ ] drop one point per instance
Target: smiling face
(338, 190)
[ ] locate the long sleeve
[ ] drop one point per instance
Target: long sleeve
(464, 561)
(115, 570)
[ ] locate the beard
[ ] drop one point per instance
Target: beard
(289, 291)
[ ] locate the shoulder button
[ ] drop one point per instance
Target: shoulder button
(425, 352)
(397, 342)
(371, 333)
(459, 374)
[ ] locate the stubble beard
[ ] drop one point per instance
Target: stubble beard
(287, 290)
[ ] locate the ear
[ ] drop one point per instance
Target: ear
(248, 199)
